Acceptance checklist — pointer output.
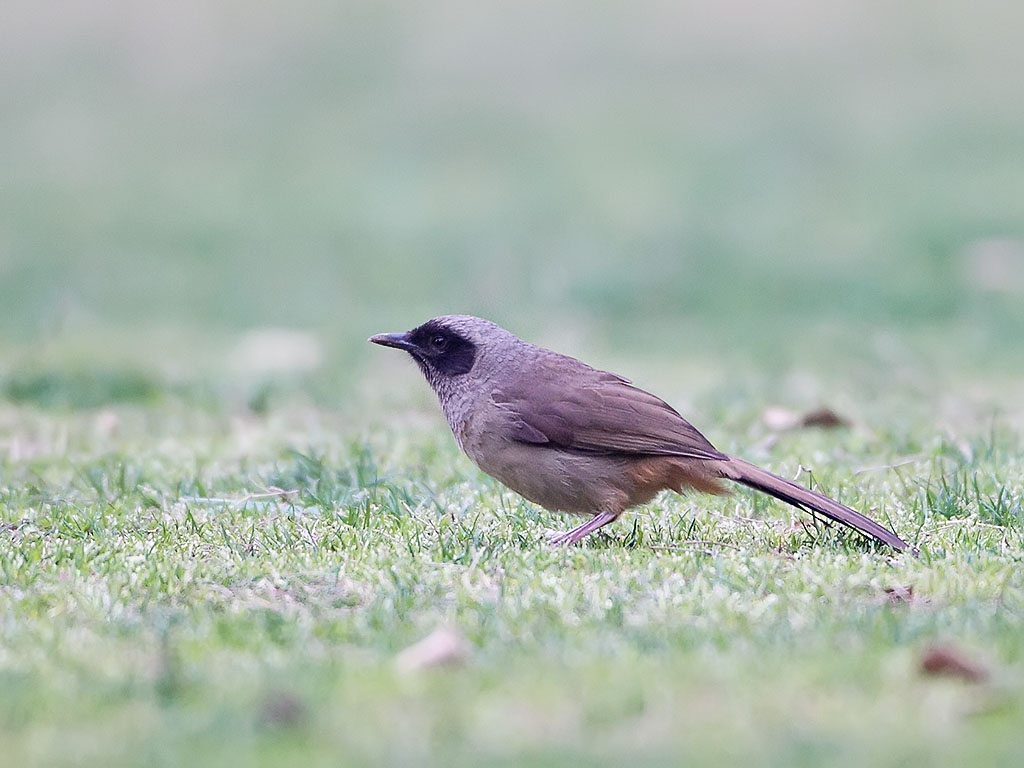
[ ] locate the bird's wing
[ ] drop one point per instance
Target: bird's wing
(565, 403)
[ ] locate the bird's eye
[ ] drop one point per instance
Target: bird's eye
(439, 341)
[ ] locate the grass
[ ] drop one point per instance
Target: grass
(216, 536)
(230, 594)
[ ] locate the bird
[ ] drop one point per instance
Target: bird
(577, 439)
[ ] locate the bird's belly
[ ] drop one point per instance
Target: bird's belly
(555, 479)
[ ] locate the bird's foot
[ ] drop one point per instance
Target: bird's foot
(556, 538)
(581, 531)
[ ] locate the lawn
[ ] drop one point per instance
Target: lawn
(225, 517)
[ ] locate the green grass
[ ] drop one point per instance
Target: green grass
(215, 540)
(163, 604)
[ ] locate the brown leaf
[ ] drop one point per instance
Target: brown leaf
(780, 419)
(900, 594)
(948, 661)
(824, 418)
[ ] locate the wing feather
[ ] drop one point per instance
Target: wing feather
(563, 402)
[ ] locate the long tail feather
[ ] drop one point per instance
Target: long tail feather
(810, 501)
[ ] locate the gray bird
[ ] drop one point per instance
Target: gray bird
(576, 439)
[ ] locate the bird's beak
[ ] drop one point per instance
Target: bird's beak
(396, 340)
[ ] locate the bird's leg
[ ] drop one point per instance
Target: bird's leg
(580, 531)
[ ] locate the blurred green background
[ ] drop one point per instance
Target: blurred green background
(775, 185)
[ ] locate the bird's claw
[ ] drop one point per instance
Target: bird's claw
(557, 538)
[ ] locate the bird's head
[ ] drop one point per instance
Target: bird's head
(452, 349)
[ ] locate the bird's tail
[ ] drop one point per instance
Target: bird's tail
(810, 501)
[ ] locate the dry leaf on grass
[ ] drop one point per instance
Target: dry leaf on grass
(823, 418)
(782, 419)
(442, 647)
(779, 419)
(948, 661)
(897, 595)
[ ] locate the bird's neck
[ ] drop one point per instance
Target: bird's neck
(457, 405)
